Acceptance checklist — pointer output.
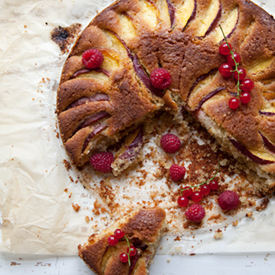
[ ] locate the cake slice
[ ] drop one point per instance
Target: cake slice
(142, 230)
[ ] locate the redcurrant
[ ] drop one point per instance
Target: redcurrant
(183, 201)
(245, 98)
(123, 257)
(234, 103)
(112, 240)
(247, 85)
(187, 192)
(214, 185)
(196, 196)
(205, 189)
(119, 233)
(242, 74)
(225, 70)
(133, 251)
(224, 49)
(230, 59)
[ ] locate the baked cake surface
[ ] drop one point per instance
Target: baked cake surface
(143, 228)
(98, 108)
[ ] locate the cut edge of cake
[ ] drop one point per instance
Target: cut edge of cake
(143, 227)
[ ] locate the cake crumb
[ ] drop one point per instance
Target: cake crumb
(168, 260)
(177, 238)
(76, 207)
(87, 219)
(218, 234)
(263, 205)
(67, 164)
(249, 214)
(235, 223)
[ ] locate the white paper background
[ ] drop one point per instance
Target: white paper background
(37, 213)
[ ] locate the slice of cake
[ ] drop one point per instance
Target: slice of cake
(140, 231)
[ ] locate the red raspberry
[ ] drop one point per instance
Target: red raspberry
(170, 143)
(92, 58)
(177, 172)
(195, 213)
(160, 78)
(228, 200)
(102, 162)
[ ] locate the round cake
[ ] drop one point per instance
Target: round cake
(115, 104)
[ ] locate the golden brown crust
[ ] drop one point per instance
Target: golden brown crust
(190, 52)
(146, 224)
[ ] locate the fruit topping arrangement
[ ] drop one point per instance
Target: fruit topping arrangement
(228, 200)
(160, 79)
(232, 67)
(191, 195)
(131, 250)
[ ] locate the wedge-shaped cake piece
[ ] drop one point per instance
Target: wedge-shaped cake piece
(142, 229)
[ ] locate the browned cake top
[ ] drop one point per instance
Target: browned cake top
(183, 37)
(143, 229)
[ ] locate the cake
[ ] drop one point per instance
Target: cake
(142, 229)
(98, 108)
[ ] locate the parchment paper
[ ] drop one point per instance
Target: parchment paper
(37, 214)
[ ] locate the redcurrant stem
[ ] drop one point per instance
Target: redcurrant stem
(236, 64)
(196, 186)
(128, 253)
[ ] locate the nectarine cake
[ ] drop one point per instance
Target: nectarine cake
(213, 58)
(128, 246)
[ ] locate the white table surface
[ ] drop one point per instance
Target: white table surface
(226, 264)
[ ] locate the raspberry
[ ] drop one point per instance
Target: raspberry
(92, 58)
(102, 162)
(177, 172)
(170, 143)
(160, 78)
(228, 200)
(195, 213)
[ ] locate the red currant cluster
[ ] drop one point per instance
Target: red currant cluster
(244, 86)
(196, 212)
(196, 196)
(131, 251)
